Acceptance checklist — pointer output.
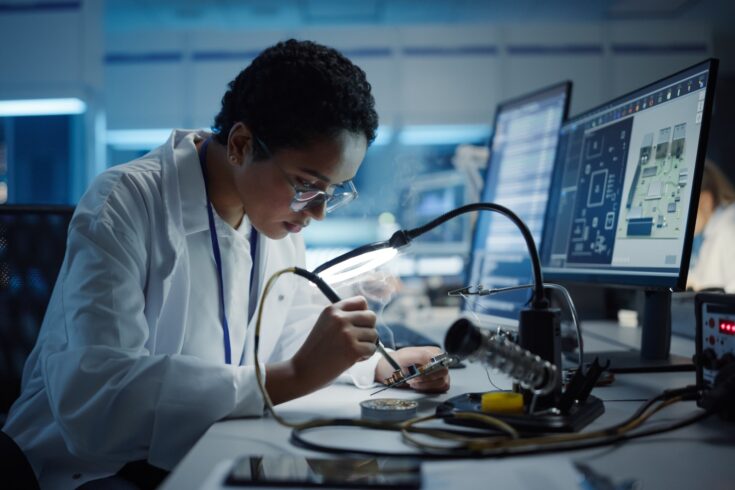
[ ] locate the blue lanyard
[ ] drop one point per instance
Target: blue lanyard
(218, 260)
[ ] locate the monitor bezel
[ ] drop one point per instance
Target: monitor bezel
(633, 280)
(566, 88)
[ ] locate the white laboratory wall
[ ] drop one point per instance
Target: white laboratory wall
(145, 80)
(646, 51)
(429, 74)
(44, 53)
(450, 74)
(51, 52)
(374, 50)
(543, 54)
(216, 59)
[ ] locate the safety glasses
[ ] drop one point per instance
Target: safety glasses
(334, 197)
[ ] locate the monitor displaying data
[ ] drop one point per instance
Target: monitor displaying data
(625, 188)
(518, 176)
(429, 196)
(441, 252)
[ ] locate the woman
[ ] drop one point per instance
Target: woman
(148, 336)
(713, 265)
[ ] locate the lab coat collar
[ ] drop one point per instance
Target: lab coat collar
(187, 180)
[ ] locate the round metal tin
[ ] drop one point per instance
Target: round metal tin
(388, 409)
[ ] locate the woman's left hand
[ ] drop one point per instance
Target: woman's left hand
(434, 382)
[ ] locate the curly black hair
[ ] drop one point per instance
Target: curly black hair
(295, 93)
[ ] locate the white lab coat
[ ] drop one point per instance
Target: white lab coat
(107, 382)
(715, 265)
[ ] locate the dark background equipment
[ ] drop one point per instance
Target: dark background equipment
(715, 348)
(32, 247)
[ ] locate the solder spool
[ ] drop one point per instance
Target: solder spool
(388, 409)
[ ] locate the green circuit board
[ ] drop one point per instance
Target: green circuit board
(653, 207)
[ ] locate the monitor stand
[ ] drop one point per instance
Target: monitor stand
(654, 355)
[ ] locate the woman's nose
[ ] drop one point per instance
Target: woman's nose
(317, 211)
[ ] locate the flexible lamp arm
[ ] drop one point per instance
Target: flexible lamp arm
(402, 238)
(539, 299)
(370, 247)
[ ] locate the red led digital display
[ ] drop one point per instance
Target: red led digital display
(727, 327)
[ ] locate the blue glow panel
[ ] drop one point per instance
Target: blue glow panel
(41, 107)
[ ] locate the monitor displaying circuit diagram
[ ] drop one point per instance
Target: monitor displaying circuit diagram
(624, 185)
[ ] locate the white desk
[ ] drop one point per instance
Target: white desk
(699, 456)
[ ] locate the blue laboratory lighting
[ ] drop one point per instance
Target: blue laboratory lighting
(41, 107)
(444, 134)
(137, 139)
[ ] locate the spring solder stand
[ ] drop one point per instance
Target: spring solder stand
(546, 407)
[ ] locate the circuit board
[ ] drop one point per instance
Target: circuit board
(653, 207)
(414, 371)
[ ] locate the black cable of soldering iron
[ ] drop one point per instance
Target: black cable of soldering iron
(318, 282)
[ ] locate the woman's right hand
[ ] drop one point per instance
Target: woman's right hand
(343, 334)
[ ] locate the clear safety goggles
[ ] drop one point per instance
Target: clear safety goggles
(334, 197)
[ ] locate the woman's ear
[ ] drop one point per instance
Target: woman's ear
(239, 144)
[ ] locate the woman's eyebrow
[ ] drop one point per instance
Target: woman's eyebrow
(316, 174)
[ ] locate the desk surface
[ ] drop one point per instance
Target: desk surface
(699, 456)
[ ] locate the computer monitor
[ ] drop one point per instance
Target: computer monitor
(443, 250)
(518, 176)
(624, 200)
(32, 246)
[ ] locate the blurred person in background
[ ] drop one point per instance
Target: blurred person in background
(713, 262)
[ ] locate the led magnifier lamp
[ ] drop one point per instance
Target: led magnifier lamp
(361, 260)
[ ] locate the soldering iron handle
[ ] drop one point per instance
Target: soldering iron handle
(384, 353)
(319, 282)
(334, 297)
